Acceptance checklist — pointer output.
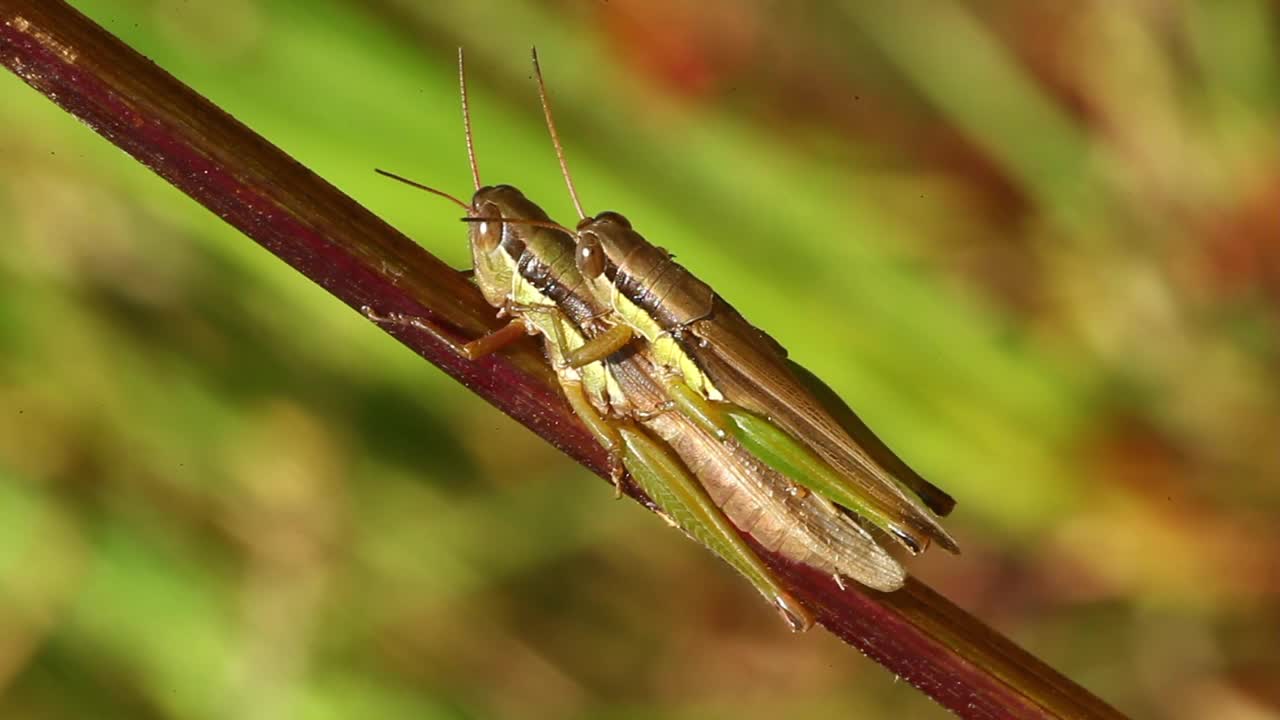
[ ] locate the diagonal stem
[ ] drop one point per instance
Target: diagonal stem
(915, 633)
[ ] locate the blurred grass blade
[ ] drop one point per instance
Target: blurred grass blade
(1018, 126)
(915, 633)
(267, 195)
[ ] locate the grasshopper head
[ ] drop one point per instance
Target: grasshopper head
(496, 246)
(617, 261)
(604, 242)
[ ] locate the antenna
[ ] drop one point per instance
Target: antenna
(555, 137)
(466, 121)
(520, 221)
(429, 189)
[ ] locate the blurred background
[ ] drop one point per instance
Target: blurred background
(1034, 244)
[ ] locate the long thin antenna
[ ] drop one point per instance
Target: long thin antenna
(466, 122)
(428, 188)
(520, 221)
(555, 137)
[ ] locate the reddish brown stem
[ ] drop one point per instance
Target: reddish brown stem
(915, 633)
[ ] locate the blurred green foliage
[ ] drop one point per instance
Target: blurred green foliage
(1036, 246)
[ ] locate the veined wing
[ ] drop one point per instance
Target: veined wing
(753, 372)
(799, 525)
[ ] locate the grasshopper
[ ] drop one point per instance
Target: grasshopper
(706, 487)
(734, 380)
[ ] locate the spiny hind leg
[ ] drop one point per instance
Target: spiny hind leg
(600, 428)
(775, 448)
(666, 480)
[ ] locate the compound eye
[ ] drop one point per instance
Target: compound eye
(611, 216)
(590, 256)
(488, 233)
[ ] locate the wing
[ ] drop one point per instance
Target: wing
(802, 527)
(752, 371)
(936, 498)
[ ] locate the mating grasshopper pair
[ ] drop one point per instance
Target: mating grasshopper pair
(703, 410)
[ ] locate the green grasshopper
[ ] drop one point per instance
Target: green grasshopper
(734, 380)
(702, 484)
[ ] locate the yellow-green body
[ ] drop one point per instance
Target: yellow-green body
(698, 479)
(736, 381)
(708, 485)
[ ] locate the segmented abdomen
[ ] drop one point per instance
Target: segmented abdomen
(798, 525)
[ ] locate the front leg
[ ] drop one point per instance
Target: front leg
(474, 350)
(600, 347)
